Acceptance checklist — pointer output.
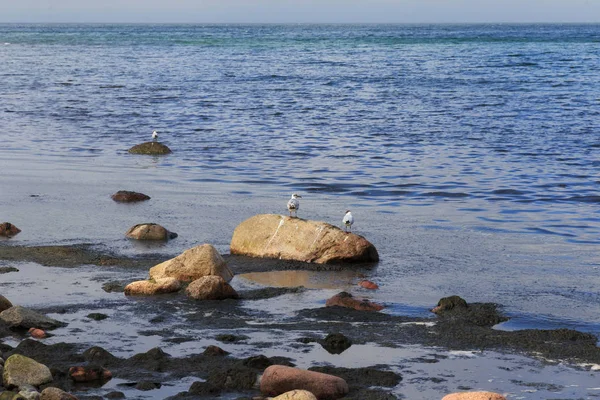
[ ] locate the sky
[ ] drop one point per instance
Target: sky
(300, 11)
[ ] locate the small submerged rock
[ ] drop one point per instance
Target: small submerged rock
(345, 299)
(89, 374)
(149, 231)
(150, 148)
(8, 230)
(368, 285)
(336, 343)
(125, 196)
(277, 236)
(6, 270)
(450, 303)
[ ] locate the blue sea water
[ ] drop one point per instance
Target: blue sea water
(469, 154)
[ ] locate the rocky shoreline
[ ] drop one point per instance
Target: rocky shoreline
(457, 326)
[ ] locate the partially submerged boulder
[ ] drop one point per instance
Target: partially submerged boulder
(153, 286)
(345, 299)
(150, 148)
(277, 236)
(126, 196)
(20, 370)
(8, 230)
(89, 374)
(210, 287)
(450, 303)
(149, 231)
(279, 379)
(192, 264)
(24, 318)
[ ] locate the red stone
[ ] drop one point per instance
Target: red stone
(368, 285)
(345, 299)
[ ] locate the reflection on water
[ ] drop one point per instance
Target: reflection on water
(309, 279)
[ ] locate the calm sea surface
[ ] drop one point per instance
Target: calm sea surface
(469, 154)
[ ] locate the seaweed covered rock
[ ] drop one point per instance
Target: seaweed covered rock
(20, 370)
(126, 196)
(24, 318)
(336, 343)
(149, 231)
(153, 286)
(450, 303)
(211, 287)
(150, 148)
(281, 237)
(8, 230)
(193, 264)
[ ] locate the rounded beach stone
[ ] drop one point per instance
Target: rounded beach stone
(211, 287)
(474, 396)
(279, 379)
(296, 395)
(20, 370)
(52, 393)
(450, 303)
(149, 231)
(277, 236)
(150, 148)
(125, 196)
(193, 264)
(153, 286)
(8, 230)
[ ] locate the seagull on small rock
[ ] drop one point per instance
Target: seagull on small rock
(154, 136)
(348, 220)
(294, 204)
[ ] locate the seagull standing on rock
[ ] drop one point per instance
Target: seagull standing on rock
(294, 204)
(154, 136)
(348, 220)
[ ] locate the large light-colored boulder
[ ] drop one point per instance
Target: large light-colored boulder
(153, 286)
(278, 236)
(21, 317)
(149, 231)
(474, 396)
(20, 370)
(211, 287)
(192, 264)
(5, 304)
(296, 395)
(279, 379)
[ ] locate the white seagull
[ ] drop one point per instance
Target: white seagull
(294, 204)
(348, 220)
(154, 136)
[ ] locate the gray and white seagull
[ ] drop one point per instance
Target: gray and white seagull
(294, 204)
(348, 220)
(154, 136)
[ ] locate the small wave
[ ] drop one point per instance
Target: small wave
(585, 199)
(549, 232)
(111, 86)
(509, 192)
(446, 194)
